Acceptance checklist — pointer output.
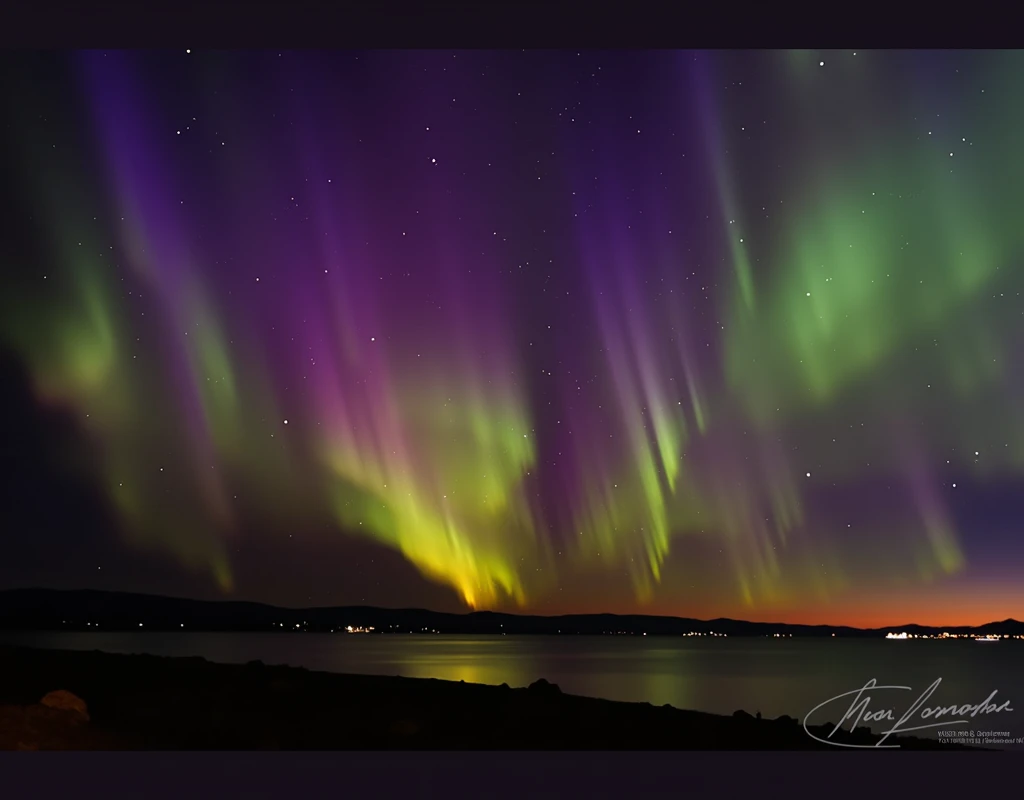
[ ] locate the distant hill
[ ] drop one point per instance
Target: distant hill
(48, 609)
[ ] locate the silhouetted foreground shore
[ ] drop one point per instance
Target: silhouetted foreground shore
(139, 702)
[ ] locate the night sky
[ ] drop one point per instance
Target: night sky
(693, 333)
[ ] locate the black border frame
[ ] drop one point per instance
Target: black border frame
(486, 24)
(459, 24)
(518, 775)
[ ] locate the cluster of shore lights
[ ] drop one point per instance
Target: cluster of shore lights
(945, 635)
(347, 629)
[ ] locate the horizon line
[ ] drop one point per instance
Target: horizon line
(503, 613)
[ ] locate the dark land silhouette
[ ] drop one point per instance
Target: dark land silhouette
(45, 609)
(139, 702)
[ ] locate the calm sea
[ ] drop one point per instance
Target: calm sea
(773, 676)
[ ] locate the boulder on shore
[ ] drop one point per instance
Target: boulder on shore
(63, 700)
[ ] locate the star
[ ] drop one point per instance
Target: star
(652, 302)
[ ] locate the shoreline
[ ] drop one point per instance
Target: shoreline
(88, 610)
(145, 702)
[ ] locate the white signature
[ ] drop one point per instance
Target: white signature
(859, 710)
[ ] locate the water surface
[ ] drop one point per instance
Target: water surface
(719, 675)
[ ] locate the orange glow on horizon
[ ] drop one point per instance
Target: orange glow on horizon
(882, 612)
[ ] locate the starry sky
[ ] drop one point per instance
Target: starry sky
(695, 333)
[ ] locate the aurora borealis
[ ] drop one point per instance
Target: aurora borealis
(699, 333)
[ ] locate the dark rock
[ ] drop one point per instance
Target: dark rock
(542, 687)
(741, 714)
(787, 720)
(65, 701)
(40, 727)
(255, 664)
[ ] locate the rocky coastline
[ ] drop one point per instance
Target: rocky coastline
(90, 700)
